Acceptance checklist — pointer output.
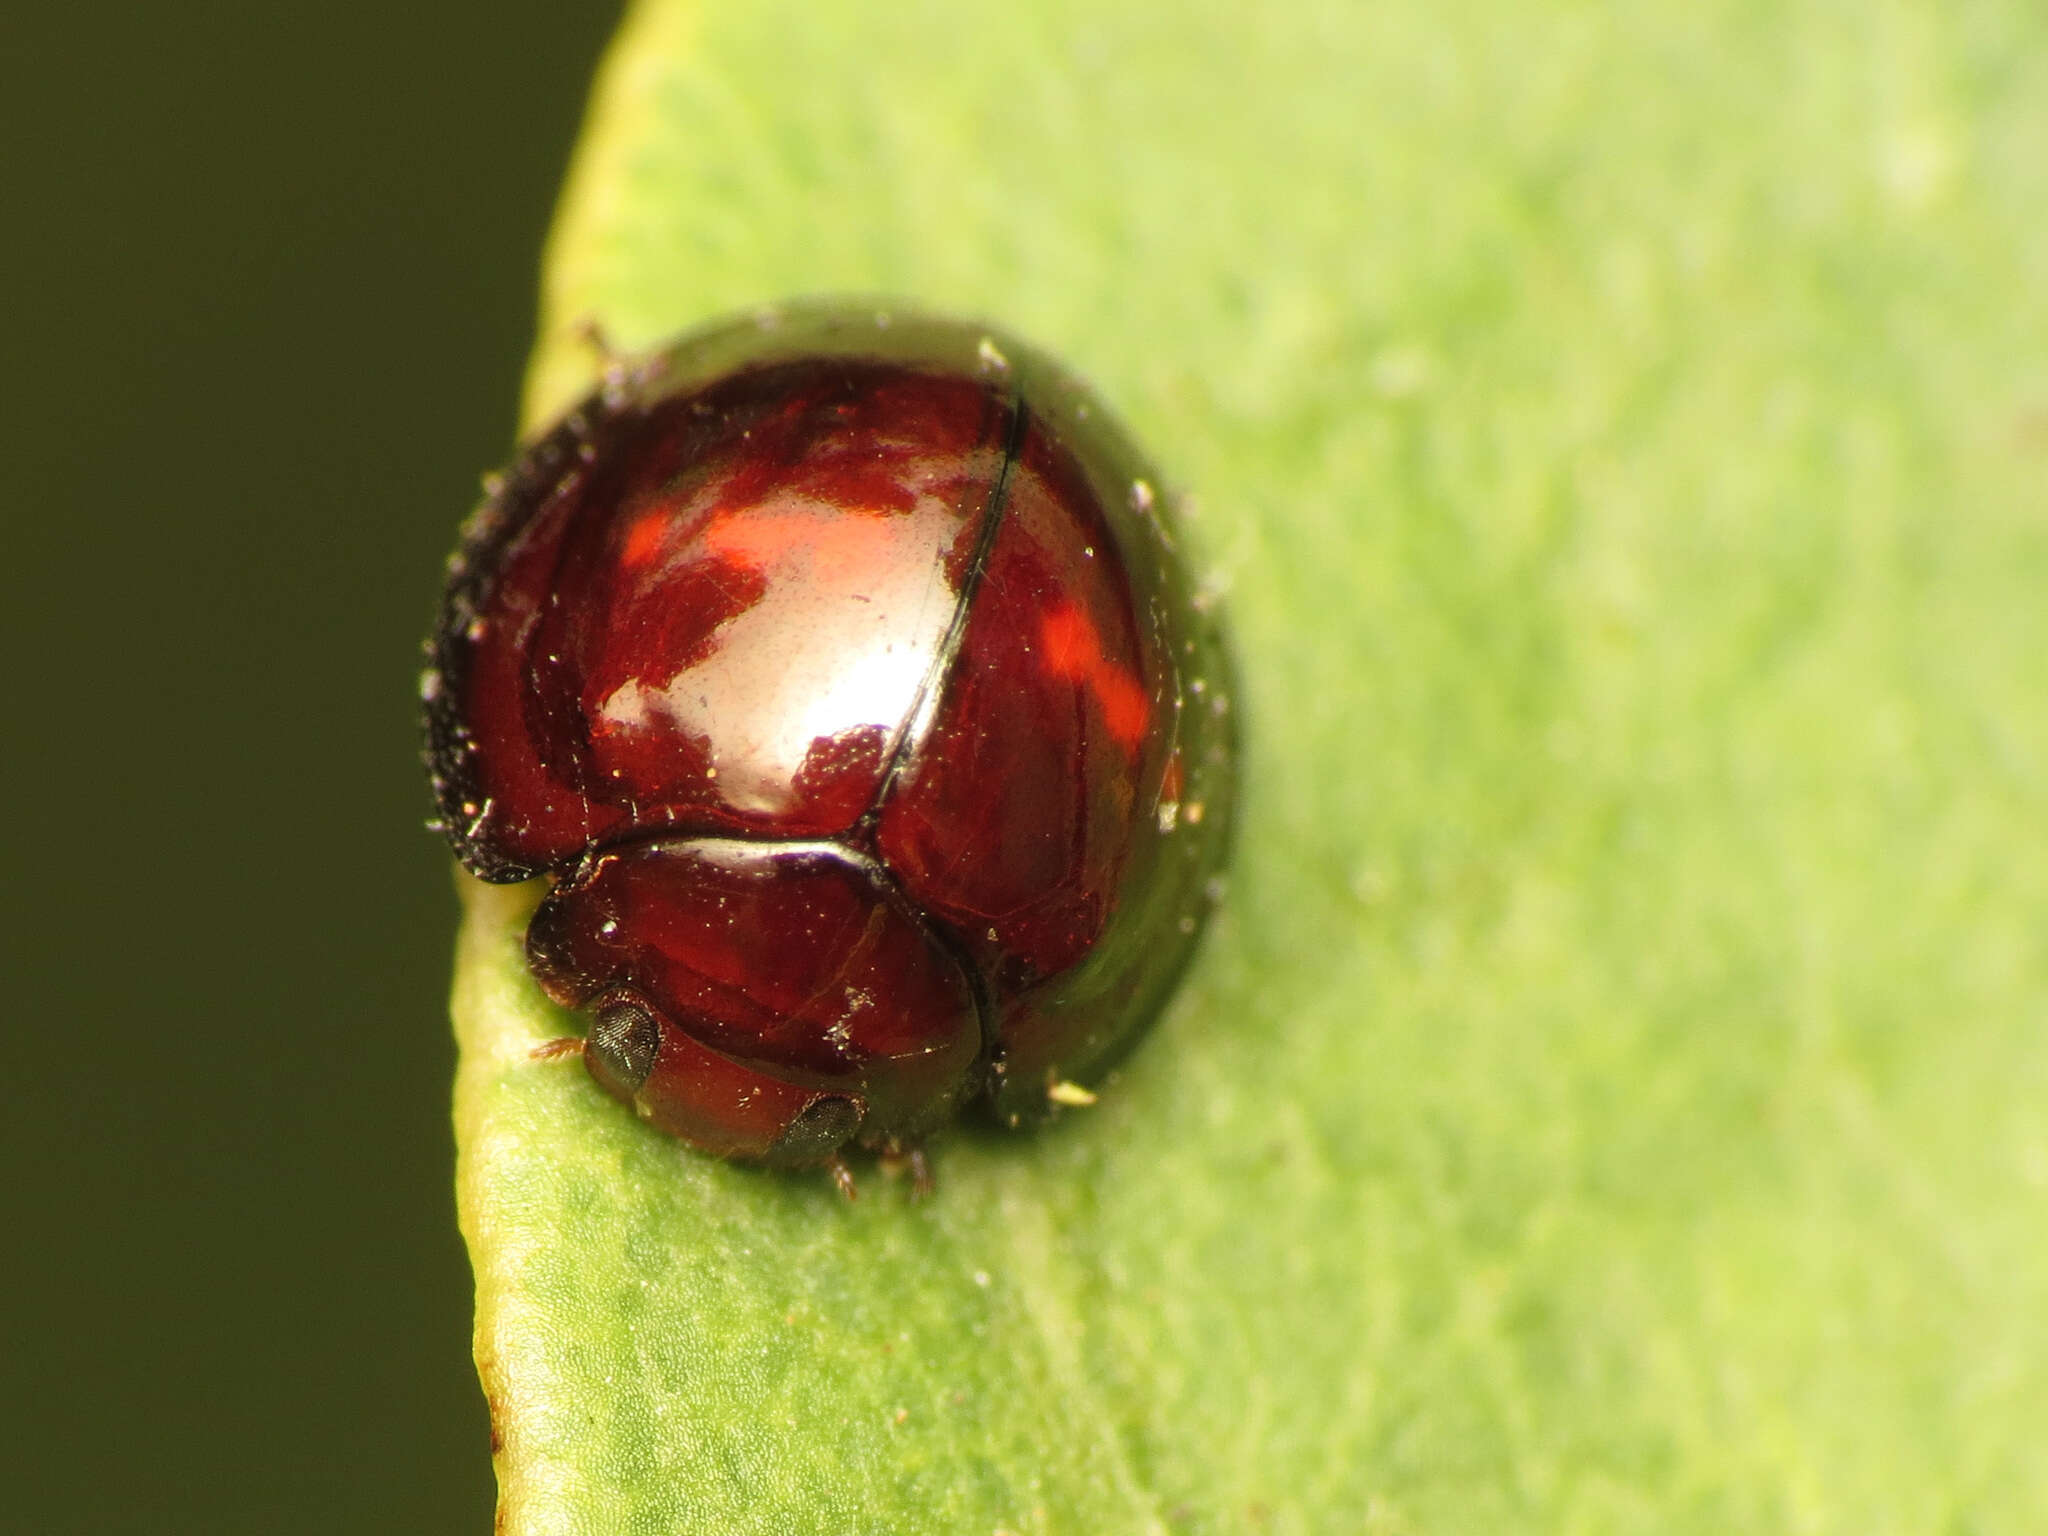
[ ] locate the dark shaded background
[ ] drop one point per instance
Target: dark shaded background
(269, 276)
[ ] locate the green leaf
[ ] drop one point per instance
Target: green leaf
(1616, 1097)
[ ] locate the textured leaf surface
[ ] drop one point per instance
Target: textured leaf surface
(1617, 1097)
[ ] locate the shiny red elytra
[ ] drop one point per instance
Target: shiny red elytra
(840, 675)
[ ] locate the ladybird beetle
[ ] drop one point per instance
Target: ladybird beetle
(839, 673)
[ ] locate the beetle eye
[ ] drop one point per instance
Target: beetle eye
(622, 1045)
(819, 1131)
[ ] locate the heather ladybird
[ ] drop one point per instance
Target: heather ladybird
(841, 676)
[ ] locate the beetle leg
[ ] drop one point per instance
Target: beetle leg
(899, 1157)
(842, 1176)
(921, 1181)
(591, 332)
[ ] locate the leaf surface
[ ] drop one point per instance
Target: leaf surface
(1616, 1096)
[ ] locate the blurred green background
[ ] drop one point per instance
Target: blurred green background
(270, 277)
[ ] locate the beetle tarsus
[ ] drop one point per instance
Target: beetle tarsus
(557, 1050)
(842, 1177)
(591, 332)
(909, 1157)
